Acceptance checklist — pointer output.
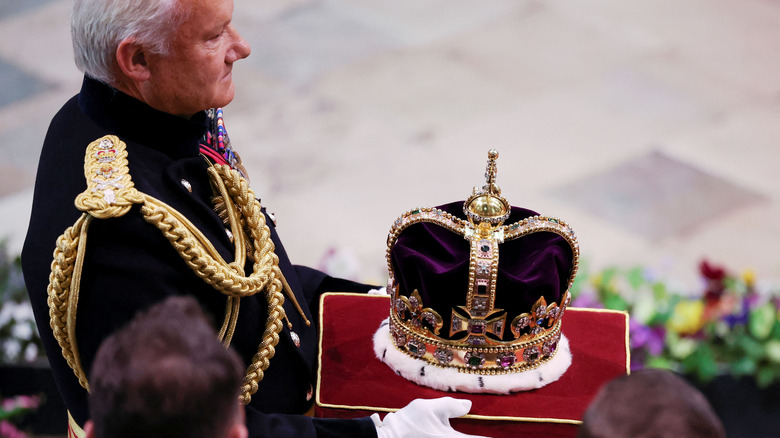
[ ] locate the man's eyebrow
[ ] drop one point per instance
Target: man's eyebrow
(219, 26)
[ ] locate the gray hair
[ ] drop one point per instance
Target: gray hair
(98, 26)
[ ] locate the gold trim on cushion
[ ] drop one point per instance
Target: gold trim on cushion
(628, 334)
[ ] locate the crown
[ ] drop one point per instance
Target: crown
(479, 287)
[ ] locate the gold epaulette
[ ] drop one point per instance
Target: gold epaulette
(110, 191)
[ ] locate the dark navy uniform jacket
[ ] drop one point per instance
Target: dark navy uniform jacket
(129, 265)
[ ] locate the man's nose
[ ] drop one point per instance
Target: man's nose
(240, 48)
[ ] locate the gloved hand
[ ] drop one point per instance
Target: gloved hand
(423, 418)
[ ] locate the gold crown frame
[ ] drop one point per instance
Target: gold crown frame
(415, 328)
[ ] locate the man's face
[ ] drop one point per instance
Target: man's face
(196, 74)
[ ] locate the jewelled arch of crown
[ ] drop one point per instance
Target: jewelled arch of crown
(415, 329)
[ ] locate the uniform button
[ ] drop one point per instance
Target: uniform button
(229, 234)
(186, 185)
(310, 393)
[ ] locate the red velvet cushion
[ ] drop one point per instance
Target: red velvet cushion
(354, 383)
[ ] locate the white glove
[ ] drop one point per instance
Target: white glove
(423, 418)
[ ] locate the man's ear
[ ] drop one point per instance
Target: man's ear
(131, 60)
(89, 429)
(237, 430)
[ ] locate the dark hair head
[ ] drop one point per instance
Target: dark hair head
(165, 375)
(650, 403)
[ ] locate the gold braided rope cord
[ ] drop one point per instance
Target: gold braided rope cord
(185, 238)
(60, 312)
(110, 193)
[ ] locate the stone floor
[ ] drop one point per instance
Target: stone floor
(651, 127)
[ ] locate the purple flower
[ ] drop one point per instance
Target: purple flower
(587, 299)
(655, 344)
(28, 401)
(8, 430)
(20, 402)
(741, 316)
(752, 300)
(637, 361)
(651, 338)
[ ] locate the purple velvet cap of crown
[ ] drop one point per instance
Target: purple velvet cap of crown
(435, 261)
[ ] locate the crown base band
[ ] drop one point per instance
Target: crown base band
(449, 379)
(476, 359)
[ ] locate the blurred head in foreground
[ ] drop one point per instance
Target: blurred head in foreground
(166, 375)
(650, 403)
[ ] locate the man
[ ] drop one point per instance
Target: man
(650, 403)
(165, 375)
(162, 209)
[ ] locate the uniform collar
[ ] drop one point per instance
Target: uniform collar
(134, 120)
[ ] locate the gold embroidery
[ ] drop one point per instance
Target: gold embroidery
(110, 193)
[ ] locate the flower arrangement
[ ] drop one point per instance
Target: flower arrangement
(728, 325)
(13, 408)
(19, 338)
